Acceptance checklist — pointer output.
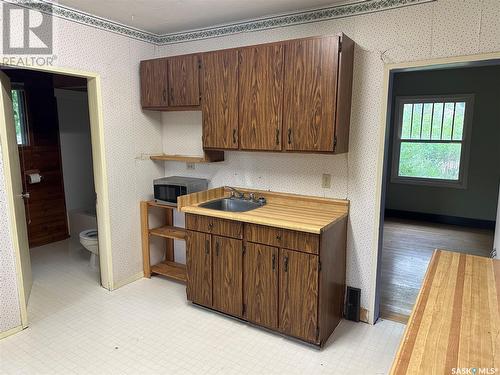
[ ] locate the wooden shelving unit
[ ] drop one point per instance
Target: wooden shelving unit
(208, 157)
(168, 268)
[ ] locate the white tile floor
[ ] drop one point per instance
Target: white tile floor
(147, 327)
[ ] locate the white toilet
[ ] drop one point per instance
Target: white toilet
(90, 241)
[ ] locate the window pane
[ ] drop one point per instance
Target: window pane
(19, 116)
(426, 121)
(430, 160)
(405, 130)
(416, 121)
(448, 120)
(458, 127)
(437, 120)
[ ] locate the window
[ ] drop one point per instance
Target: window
(20, 118)
(431, 140)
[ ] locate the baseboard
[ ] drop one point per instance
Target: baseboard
(10, 332)
(128, 280)
(443, 219)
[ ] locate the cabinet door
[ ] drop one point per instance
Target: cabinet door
(199, 268)
(310, 94)
(220, 99)
(154, 83)
(261, 284)
(183, 81)
(298, 295)
(261, 97)
(227, 275)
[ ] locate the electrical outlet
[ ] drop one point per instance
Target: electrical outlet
(189, 165)
(326, 181)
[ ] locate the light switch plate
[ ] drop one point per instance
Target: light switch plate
(326, 181)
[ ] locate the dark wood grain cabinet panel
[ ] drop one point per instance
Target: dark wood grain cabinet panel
(228, 275)
(212, 225)
(199, 268)
(154, 83)
(310, 94)
(261, 97)
(298, 295)
(261, 284)
(183, 81)
(296, 292)
(220, 99)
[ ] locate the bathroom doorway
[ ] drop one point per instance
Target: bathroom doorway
(52, 152)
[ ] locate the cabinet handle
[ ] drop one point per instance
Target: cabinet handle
(164, 95)
(172, 94)
(217, 248)
(277, 136)
(207, 247)
(274, 261)
(286, 264)
(278, 237)
(210, 226)
(234, 135)
(289, 136)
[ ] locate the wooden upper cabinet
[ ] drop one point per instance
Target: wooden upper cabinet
(261, 97)
(154, 83)
(310, 94)
(261, 284)
(183, 81)
(220, 99)
(298, 295)
(227, 275)
(199, 268)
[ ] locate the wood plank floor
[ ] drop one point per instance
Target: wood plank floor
(407, 249)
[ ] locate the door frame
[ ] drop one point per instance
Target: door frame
(482, 59)
(100, 181)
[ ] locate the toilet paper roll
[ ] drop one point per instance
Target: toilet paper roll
(34, 178)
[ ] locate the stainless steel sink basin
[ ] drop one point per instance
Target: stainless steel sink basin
(232, 205)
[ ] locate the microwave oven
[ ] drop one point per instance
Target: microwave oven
(167, 189)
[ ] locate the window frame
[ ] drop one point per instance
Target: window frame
(461, 183)
(27, 136)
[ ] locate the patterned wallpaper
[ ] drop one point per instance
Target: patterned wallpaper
(442, 28)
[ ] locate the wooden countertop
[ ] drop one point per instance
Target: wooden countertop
(456, 320)
(288, 211)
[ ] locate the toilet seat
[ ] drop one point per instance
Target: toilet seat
(90, 234)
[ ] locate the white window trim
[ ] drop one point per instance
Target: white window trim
(461, 183)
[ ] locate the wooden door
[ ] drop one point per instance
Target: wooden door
(199, 268)
(220, 99)
(298, 295)
(14, 189)
(154, 82)
(261, 284)
(261, 97)
(228, 275)
(183, 81)
(310, 94)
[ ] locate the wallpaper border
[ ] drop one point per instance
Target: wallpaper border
(290, 19)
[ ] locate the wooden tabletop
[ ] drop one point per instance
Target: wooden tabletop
(282, 210)
(456, 320)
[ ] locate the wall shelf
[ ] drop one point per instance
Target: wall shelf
(169, 231)
(208, 157)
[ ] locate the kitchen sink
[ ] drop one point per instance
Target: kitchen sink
(232, 205)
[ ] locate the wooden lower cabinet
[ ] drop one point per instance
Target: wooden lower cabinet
(297, 292)
(227, 275)
(261, 284)
(298, 295)
(199, 268)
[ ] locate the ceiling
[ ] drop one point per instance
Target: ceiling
(170, 16)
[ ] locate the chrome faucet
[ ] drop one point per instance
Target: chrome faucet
(236, 193)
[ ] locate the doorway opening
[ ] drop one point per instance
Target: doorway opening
(55, 177)
(441, 174)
